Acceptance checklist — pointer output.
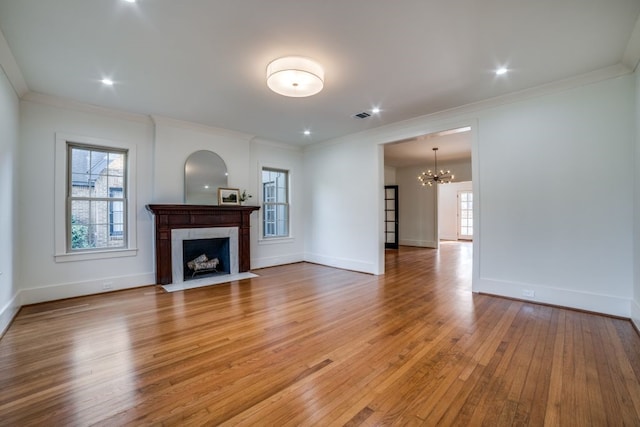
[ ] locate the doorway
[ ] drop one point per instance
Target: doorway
(418, 218)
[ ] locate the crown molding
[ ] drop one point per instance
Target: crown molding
(198, 127)
(631, 55)
(10, 67)
(55, 101)
(459, 116)
(275, 144)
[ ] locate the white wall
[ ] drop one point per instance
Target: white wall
(389, 175)
(41, 118)
(9, 160)
(162, 147)
(546, 220)
(418, 220)
(417, 215)
(176, 140)
(269, 252)
(343, 221)
(448, 208)
(244, 156)
(635, 303)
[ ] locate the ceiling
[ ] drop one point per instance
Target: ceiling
(453, 145)
(204, 61)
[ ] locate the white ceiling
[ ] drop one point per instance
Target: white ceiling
(451, 147)
(204, 61)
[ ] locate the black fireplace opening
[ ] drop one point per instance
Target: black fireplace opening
(205, 257)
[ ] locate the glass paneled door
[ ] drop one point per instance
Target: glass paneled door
(465, 215)
(391, 216)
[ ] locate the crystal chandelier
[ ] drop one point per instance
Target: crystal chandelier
(438, 177)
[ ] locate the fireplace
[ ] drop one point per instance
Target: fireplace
(201, 242)
(205, 257)
(176, 223)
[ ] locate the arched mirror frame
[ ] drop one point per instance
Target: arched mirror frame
(204, 173)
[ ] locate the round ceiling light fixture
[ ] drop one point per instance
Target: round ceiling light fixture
(295, 76)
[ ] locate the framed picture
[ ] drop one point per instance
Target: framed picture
(228, 196)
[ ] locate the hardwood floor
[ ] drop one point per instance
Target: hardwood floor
(310, 345)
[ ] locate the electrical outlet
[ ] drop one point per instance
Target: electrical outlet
(107, 286)
(528, 293)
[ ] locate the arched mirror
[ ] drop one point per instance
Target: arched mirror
(204, 173)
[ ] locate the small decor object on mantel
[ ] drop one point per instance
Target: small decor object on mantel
(228, 196)
(244, 196)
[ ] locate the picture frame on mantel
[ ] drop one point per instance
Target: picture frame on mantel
(228, 196)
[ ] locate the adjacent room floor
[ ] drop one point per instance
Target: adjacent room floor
(304, 344)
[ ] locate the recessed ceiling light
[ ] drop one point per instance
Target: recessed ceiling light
(375, 110)
(130, 1)
(500, 71)
(107, 82)
(307, 132)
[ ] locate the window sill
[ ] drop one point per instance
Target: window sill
(99, 254)
(275, 240)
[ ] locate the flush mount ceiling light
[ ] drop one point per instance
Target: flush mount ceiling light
(295, 76)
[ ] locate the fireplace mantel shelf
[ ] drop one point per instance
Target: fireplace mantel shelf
(169, 217)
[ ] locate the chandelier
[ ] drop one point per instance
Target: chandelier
(438, 177)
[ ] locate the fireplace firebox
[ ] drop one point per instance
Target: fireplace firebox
(205, 257)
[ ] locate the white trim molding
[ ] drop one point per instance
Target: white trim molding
(8, 313)
(11, 69)
(273, 261)
(60, 194)
(343, 263)
(635, 313)
(39, 294)
(589, 301)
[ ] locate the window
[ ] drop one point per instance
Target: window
(275, 203)
(96, 197)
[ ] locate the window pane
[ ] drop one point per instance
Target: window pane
(96, 176)
(466, 214)
(275, 198)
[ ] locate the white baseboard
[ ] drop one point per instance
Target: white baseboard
(8, 312)
(343, 263)
(599, 303)
(448, 237)
(635, 313)
(419, 243)
(35, 295)
(275, 260)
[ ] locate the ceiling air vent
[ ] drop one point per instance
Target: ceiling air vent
(362, 115)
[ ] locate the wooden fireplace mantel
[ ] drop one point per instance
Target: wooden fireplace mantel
(168, 217)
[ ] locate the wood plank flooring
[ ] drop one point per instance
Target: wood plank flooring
(305, 344)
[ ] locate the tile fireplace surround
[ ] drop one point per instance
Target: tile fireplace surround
(171, 217)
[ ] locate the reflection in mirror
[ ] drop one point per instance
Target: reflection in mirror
(204, 172)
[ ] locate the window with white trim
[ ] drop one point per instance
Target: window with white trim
(275, 203)
(96, 198)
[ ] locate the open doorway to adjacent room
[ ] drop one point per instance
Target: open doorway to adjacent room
(428, 215)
